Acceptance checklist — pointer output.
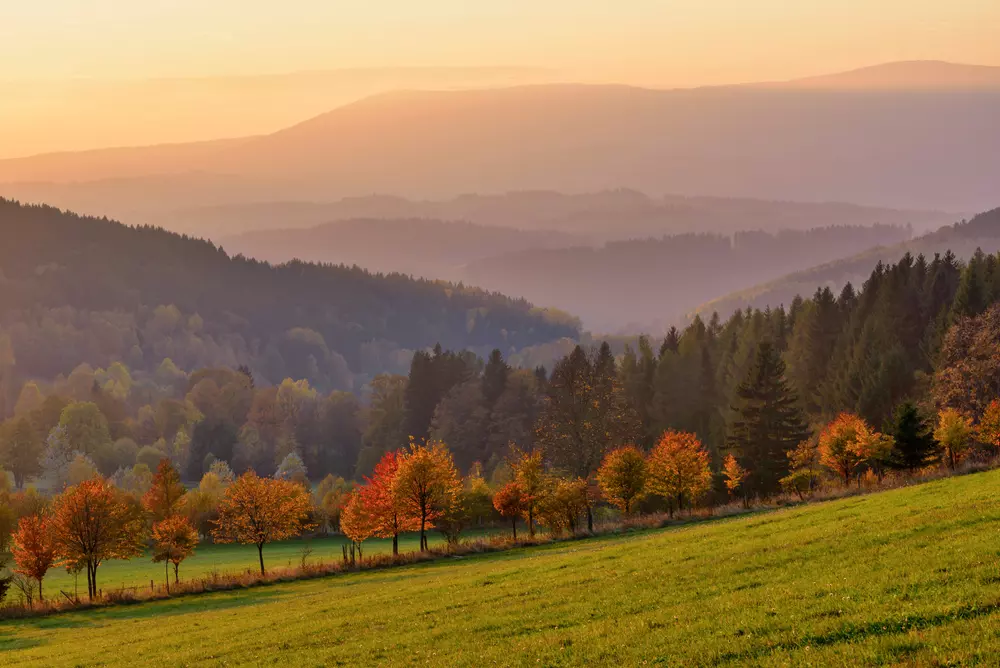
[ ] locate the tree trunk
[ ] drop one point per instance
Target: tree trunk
(531, 522)
(260, 555)
(177, 568)
(395, 544)
(590, 519)
(423, 533)
(513, 525)
(40, 597)
(166, 574)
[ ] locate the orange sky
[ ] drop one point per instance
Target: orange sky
(80, 67)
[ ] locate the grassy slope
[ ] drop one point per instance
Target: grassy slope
(903, 576)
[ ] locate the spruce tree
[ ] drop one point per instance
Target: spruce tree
(767, 422)
(915, 446)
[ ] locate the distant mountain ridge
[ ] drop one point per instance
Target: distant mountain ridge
(901, 147)
(980, 232)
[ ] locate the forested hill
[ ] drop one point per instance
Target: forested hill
(962, 239)
(78, 290)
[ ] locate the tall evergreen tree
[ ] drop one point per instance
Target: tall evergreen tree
(915, 446)
(767, 422)
(494, 377)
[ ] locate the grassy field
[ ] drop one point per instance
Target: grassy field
(225, 559)
(903, 577)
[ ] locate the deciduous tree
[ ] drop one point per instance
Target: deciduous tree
(165, 494)
(509, 502)
(679, 469)
(34, 548)
(954, 433)
(734, 474)
(622, 477)
(357, 521)
(174, 540)
(383, 504)
(426, 484)
(94, 522)
(258, 511)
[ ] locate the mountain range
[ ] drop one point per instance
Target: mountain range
(910, 135)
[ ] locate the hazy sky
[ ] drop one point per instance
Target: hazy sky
(78, 74)
(670, 41)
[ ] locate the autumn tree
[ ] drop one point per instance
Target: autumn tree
(988, 430)
(734, 474)
(564, 504)
(357, 520)
(94, 522)
(174, 540)
(383, 504)
(805, 468)
(509, 502)
(954, 432)
(622, 477)
(165, 493)
(968, 369)
(258, 511)
(34, 548)
(679, 469)
(20, 450)
(426, 484)
(530, 476)
(848, 443)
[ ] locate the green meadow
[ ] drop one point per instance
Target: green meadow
(908, 576)
(229, 558)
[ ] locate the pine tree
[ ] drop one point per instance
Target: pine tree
(767, 422)
(494, 377)
(915, 446)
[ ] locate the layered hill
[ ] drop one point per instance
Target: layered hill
(85, 290)
(421, 247)
(962, 239)
(597, 216)
(910, 145)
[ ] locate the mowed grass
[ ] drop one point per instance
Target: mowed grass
(230, 558)
(903, 577)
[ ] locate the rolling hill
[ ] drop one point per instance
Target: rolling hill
(85, 290)
(598, 216)
(900, 146)
(419, 247)
(770, 589)
(962, 239)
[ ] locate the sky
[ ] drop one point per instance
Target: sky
(55, 49)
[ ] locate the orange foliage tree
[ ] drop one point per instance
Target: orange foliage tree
(849, 442)
(174, 540)
(508, 501)
(34, 548)
(529, 474)
(93, 522)
(622, 477)
(166, 492)
(357, 521)
(383, 504)
(257, 511)
(679, 469)
(426, 484)
(989, 425)
(734, 474)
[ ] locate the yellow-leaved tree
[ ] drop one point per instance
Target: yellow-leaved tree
(678, 469)
(426, 484)
(258, 511)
